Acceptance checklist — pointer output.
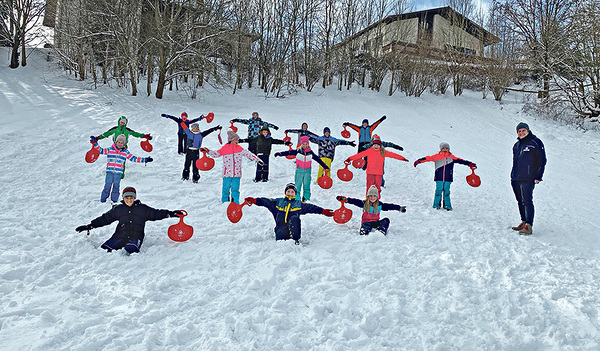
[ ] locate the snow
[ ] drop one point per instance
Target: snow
(440, 280)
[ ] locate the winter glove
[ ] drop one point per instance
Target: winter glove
(400, 148)
(219, 127)
(277, 154)
(276, 127)
(345, 124)
(149, 159)
(418, 161)
(402, 209)
(328, 213)
(175, 213)
(347, 161)
(352, 143)
(383, 118)
(287, 131)
(250, 200)
(288, 143)
(163, 115)
(148, 136)
(235, 120)
(203, 149)
(82, 228)
(93, 139)
(341, 198)
(472, 165)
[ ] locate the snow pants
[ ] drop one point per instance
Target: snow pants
(374, 179)
(327, 161)
(442, 190)
(190, 160)
(182, 143)
(382, 225)
(130, 245)
(302, 181)
(290, 229)
(262, 171)
(112, 180)
(524, 194)
(252, 147)
(231, 185)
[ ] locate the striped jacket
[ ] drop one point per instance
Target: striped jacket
(116, 158)
(444, 165)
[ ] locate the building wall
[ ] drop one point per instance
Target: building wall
(446, 34)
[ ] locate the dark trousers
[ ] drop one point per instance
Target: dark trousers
(524, 194)
(252, 147)
(182, 144)
(262, 171)
(381, 225)
(130, 245)
(290, 229)
(362, 147)
(190, 160)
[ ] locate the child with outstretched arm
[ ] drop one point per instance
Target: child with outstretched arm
(287, 211)
(327, 145)
(302, 132)
(182, 143)
(304, 157)
(443, 176)
(194, 143)
(264, 141)
(365, 131)
(372, 208)
(254, 125)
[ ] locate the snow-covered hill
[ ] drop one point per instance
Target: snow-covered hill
(459, 280)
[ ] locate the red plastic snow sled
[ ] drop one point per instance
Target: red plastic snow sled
(345, 174)
(232, 127)
(145, 144)
(205, 163)
(234, 211)
(359, 163)
(473, 179)
(325, 181)
(209, 117)
(346, 133)
(92, 155)
(288, 138)
(342, 214)
(181, 231)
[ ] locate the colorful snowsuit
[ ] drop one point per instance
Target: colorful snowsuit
(115, 165)
(263, 151)
(129, 233)
(286, 212)
(254, 125)
(529, 163)
(302, 177)
(443, 176)
(118, 130)
(194, 142)
(232, 169)
(181, 135)
(327, 147)
(375, 166)
(370, 220)
(365, 133)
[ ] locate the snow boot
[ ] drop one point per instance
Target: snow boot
(527, 229)
(519, 227)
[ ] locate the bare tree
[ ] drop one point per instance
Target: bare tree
(19, 21)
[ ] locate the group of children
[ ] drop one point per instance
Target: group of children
(286, 210)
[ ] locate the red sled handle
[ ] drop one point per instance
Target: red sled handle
(182, 215)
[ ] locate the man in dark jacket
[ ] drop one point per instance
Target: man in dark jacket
(182, 144)
(529, 162)
(132, 216)
(263, 143)
(287, 211)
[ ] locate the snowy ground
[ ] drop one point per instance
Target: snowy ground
(459, 280)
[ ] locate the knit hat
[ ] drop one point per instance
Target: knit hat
(121, 137)
(522, 125)
(372, 191)
(184, 115)
(365, 121)
(326, 130)
(231, 136)
(304, 139)
(265, 128)
(444, 144)
(122, 118)
(376, 139)
(194, 125)
(129, 191)
(290, 186)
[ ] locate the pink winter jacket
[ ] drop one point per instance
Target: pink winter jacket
(232, 159)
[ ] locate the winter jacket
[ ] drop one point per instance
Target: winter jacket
(376, 160)
(186, 121)
(529, 159)
(131, 219)
(116, 158)
(195, 139)
(327, 145)
(373, 214)
(254, 125)
(118, 130)
(386, 144)
(302, 132)
(263, 144)
(285, 208)
(304, 158)
(444, 165)
(232, 159)
(364, 133)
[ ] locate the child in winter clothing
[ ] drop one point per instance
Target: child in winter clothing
(372, 208)
(232, 166)
(263, 143)
(122, 129)
(287, 211)
(116, 156)
(182, 144)
(364, 133)
(254, 126)
(444, 169)
(302, 132)
(194, 143)
(304, 157)
(377, 154)
(385, 144)
(132, 216)
(327, 145)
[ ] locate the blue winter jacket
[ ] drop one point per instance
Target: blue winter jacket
(529, 159)
(195, 140)
(285, 208)
(187, 122)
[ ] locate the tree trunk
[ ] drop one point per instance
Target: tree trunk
(14, 57)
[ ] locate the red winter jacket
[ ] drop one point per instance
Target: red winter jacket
(376, 160)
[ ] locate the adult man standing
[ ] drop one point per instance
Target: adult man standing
(529, 162)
